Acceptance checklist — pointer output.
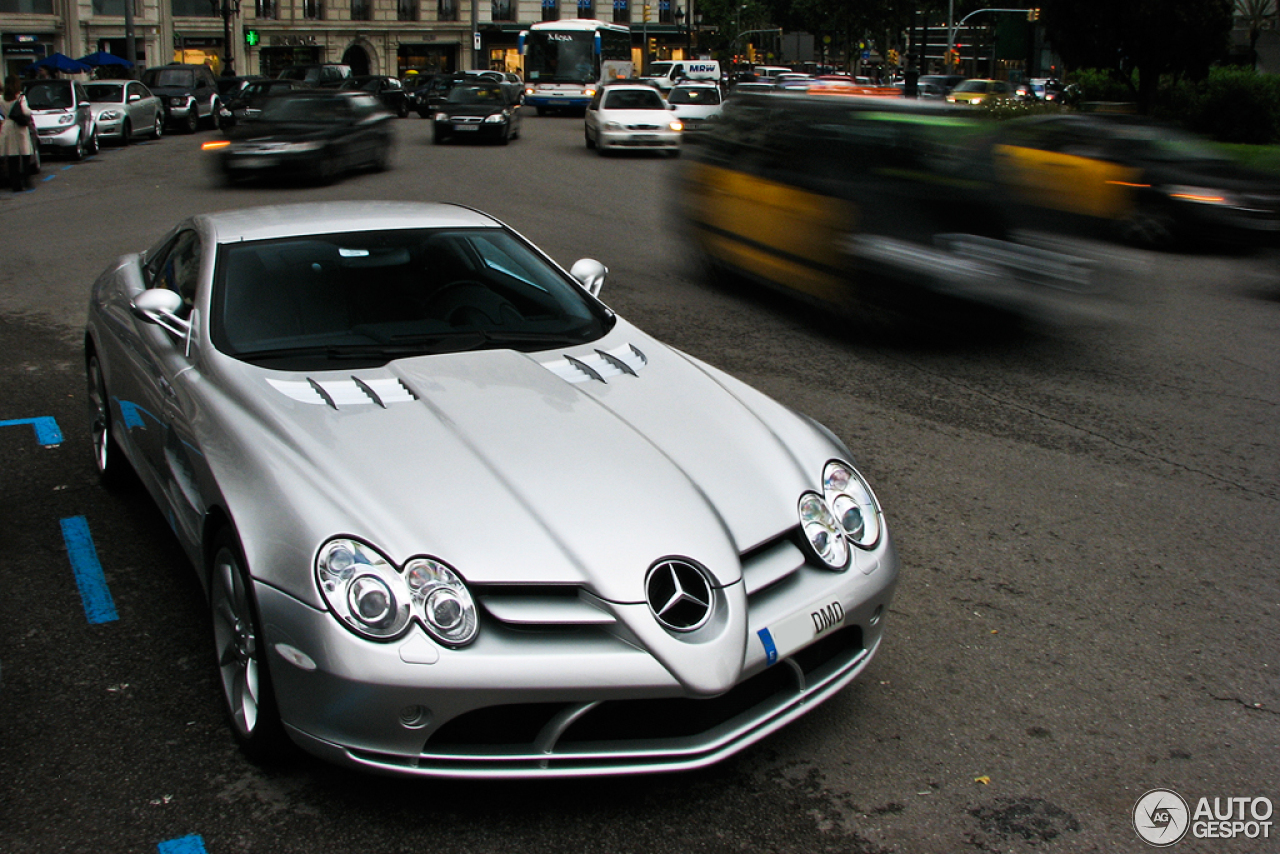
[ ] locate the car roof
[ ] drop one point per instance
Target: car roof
(300, 220)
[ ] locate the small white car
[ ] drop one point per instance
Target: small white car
(124, 109)
(695, 104)
(62, 117)
(632, 116)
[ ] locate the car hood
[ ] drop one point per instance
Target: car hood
(266, 132)
(470, 109)
(577, 467)
(659, 118)
(170, 91)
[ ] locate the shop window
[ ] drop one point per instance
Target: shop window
(361, 10)
(504, 10)
(447, 10)
(622, 11)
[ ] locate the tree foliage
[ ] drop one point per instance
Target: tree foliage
(1153, 37)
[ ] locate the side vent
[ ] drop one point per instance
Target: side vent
(340, 393)
(599, 365)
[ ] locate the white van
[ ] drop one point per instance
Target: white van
(668, 73)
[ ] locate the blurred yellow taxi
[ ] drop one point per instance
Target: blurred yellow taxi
(979, 91)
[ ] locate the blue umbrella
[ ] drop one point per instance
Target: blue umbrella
(103, 58)
(59, 62)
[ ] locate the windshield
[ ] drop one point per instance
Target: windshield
(561, 57)
(170, 78)
(972, 86)
(104, 93)
(312, 110)
(53, 95)
(706, 96)
(374, 296)
(634, 99)
(470, 93)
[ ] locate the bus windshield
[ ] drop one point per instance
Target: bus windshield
(561, 57)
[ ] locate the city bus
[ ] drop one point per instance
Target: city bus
(565, 62)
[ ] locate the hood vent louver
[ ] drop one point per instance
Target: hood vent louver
(345, 393)
(599, 365)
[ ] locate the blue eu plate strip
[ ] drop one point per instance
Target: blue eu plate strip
(185, 845)
(98, 605)
(47, 432)
(770, 650)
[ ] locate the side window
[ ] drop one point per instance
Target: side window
(177, 268)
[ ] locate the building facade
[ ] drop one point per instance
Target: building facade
(395, 37)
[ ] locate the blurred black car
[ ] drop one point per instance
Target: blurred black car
(247, 103)
(1125, 177)
(876, 209)
(389, 90)
(312, 133)
(478, 109)
(429, 91)
(231, 86)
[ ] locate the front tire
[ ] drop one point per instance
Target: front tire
(242, 654)
(107, 456)
(126, 133)
(158, 130)
(191, 123)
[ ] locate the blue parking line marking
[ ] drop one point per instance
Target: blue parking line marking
(98, 604)
(192, 844)
(47, 432)
(770, 649)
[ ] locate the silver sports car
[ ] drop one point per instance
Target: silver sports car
(458, 518)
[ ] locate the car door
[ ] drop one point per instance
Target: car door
(83, 111)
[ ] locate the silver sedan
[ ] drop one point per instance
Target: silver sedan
(124, 110)
(458, 518)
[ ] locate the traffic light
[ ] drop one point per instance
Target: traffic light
(1033, 15)
(252, 37)
(648, 12)
(893, 56)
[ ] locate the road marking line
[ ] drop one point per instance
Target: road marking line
(98, 604)
(192, 844)
(47, 432)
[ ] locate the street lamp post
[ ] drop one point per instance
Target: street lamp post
(227, 9)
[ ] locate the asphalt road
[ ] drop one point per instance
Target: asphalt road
(1086, 513)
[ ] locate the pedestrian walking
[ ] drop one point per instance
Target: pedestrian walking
(15, 134)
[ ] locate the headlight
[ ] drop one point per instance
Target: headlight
(66, 119)
(1199, 195)
(109, 115)
(299, 147)
(375, 600)
(845, 513)
(177, 102)
(676, 126)
(440, 117)
(495, 118)
(528, 90)
(612, 126)
(589, 92)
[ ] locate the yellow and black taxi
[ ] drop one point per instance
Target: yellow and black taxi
(873, 207)
(1125, 177)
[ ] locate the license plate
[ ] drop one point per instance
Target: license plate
(644, 136)
(466, 127)
(800, 629)
(256, 162)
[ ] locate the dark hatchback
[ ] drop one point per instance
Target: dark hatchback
(316, 134)
(246, 104)
(477, 109)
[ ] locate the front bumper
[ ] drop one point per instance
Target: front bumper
(462, 129)
(58, 138)
(245, 164)
(552, 101)
(661, 139)
(556, 701)
(110, 128)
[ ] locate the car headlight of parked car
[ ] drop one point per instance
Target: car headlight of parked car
(109, 115)
(846, 513)
(375, 600)
(180, 101)
(67, 119)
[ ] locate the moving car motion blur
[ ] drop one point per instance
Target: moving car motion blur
(879, 208)
(1129, 178)
(282, 378)
(315, 133)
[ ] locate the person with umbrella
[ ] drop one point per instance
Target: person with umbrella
(15, 138)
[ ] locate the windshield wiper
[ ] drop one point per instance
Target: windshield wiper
(362, 351)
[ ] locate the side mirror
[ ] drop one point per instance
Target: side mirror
(134, 97)
(590, 273)
(160, 306)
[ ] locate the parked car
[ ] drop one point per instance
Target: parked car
(695, 104)
(334, 403)
(189, 92)
(1133, 179)
(511, 84)
(480, 109)
(320, 134)
(631, 116)
(389, 90)
(319, 74)
(62, 116)
(430, 91)
(124, 109)
(979, 91)
(880, 210)
(246, 105)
